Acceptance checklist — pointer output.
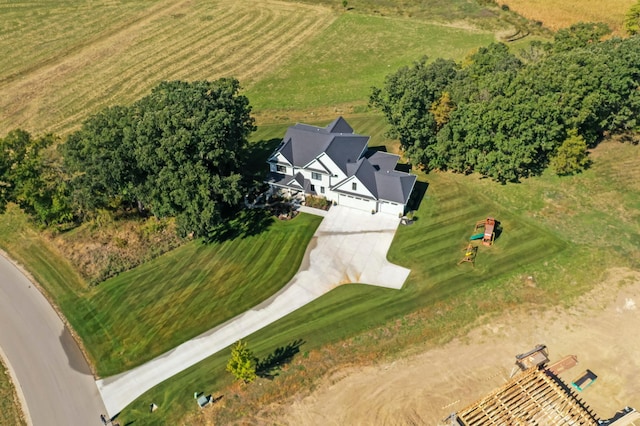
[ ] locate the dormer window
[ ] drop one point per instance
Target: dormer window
(354, 186)
(281, 169)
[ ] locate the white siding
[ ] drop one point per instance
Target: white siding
(390, 208)
(280, 158)
(356, 202)
(284, 169)
(361, 190)
(336, 173)
(323, 181)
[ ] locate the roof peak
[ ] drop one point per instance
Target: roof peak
(339, 125)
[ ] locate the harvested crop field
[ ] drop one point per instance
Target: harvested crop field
(562, 14)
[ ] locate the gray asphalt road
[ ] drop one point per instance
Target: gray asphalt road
(51, 371)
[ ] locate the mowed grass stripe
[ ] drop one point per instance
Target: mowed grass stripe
(51, 30)
(240, 39)
(264, 56)
(148, 310)
(174, 36)
(435, 283)
(251, 33)
(353, 54)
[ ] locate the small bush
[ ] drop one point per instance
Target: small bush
(571, 156)
(317, 202)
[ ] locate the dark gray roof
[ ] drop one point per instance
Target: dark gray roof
(375, 170)
(299, 179)
(287, 150)
(303, 143)
(382, 161)
(394, 186)
(366, 174)
(388, 185)
(278, 179)
(292, 182)
(339, 125)
(345, 149)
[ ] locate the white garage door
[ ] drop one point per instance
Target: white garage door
(390, 208)
(356, 202)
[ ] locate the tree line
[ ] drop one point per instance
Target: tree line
(179, 151)
(509, 116)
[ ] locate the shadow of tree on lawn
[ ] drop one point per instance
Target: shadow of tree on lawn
(269, 367)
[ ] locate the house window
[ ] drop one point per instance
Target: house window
(316, 176)
(281, 169)
(354, 186)
(322, 189)
(313, 188)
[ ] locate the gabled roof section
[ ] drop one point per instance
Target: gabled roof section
(339, 125)
(345, 149)
(298, 180)
(303, 143)
(382, 161)
(287, 151)
(394, 186)
(366, 174)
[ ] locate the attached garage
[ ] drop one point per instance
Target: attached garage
(390, 208)
(356, 202)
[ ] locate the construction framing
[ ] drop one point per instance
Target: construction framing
(533, 397)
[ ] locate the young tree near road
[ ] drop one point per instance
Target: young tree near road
(242, 363)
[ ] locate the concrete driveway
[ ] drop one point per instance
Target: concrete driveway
(52, 376)
(349, 246)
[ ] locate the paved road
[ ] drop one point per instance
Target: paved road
(52, 373)
(349, 246)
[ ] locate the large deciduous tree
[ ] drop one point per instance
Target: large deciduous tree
(505, 118)
(176, 152)
(406, 100)
(101, 161)
(31, 177)
(190, 138)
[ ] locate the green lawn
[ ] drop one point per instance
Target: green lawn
(559, 233)
(356, 52)
(10, 414)
(144, 312)
(431, 248)
(296, 59)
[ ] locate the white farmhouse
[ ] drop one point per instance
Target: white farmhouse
(335, 163)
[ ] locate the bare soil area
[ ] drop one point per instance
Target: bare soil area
(601, 329)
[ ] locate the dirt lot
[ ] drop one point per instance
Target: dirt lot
(601, 329)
